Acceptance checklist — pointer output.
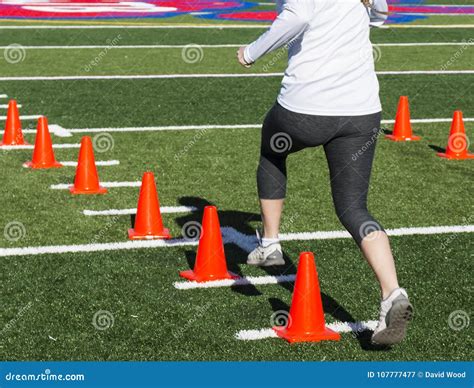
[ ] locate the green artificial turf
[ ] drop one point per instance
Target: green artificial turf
(195, 59)
(48, 301)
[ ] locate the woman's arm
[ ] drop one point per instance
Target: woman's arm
(292, 20)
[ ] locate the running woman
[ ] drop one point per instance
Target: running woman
(329, 97)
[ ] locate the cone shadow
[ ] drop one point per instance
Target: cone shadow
(437, 148)
(387, 131)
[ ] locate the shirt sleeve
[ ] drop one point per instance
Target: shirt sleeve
(291, 21)
(376, 18)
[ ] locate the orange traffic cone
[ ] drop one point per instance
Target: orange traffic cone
(148, 222)
(306, 320)
(402, 130)
(13, 135)
(87, 179)
(210, 258)
(43, 154)
(458, 141)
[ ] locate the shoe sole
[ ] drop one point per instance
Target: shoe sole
(397, 322)
(272, 262)
(267, 263)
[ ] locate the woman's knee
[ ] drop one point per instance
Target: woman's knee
(360, 224)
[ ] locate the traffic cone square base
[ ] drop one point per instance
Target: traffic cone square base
(40, 166)
(395, 138)
(133, 235)
(191, 275)
(100, 190)
(325, 335)
(451, 157)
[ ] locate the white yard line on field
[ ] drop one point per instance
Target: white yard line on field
(66, 186)
(121, 212)
(27, 117)
(340, 327)
(180, 46)
(230, 236)
(430, 26)
(3, 96)
(30, 147)
(160, 128)
(429, 121)
(201, 26)
(53, 128)
(210, 75)
(244, 281)
(5, 106)
(97, 163)
(65, 132)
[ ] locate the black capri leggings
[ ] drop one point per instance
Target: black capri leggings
(349, 143)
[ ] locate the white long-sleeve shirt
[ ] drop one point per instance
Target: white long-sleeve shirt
(330, 63)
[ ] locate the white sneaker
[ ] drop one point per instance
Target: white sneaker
(395, 313)
(266, 256)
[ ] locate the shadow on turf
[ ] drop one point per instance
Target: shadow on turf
(339, 313)
(241, 222)
(235, 256)
(436, 148)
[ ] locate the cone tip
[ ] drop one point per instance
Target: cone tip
(42, 120)
(210, 208)
(307, 255)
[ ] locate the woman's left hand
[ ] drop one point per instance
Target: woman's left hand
(241, 58)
